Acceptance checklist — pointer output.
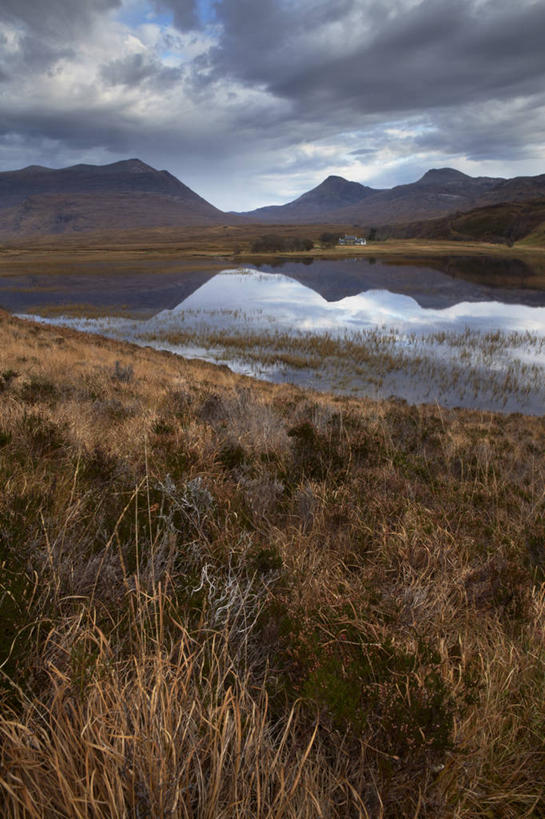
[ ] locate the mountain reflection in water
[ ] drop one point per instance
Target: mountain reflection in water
(148, 287)
(439, 339)
(265, 300)
(436, 282)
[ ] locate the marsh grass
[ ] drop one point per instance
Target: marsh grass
(78, 309)
(497, 370)
(483, 369)
(220, 597)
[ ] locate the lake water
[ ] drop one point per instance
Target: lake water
(377, 329)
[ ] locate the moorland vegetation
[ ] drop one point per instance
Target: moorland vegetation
(225, 598)
(276, 243)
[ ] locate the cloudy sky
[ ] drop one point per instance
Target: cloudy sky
(252, 102)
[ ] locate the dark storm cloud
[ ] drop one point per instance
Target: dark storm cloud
(76, 128)
(48, 29)
(56, 17)
(513, 132)
(435, 54)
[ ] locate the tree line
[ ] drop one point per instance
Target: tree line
(273, 243)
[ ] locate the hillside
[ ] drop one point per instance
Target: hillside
(314, 205)
(536, 238)
(221, 597)
(522, 188)
(439, 192)
(127, 194)
(504, 223)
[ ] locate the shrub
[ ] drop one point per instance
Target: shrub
(39, 389)
(394, 696)
(273, 243)
(329, 239)
(125, 374)
(315, 453)
(43, 437)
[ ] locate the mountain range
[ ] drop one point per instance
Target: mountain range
(438, 192)
(132, 194)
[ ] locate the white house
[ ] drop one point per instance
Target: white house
(352, 240)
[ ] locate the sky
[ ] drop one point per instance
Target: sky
(253, 102)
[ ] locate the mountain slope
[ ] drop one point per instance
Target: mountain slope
(315, 205)
(127, 176)
(521, 188)
(506, 223)
(438, 192)
(124, 194)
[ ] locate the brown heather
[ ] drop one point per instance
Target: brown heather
(221, 598)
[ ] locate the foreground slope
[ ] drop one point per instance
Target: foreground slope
(228, 598)
(124, 194)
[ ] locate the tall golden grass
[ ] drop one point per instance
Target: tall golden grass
(177, 729)
(225, 598)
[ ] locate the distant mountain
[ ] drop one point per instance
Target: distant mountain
(506, 223)
(131, 194)
(519, 189)
(333, 193)
(126, 194)
(438, 192)
(449, 179)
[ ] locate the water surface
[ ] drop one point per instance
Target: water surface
(363, 329)
(144, 287)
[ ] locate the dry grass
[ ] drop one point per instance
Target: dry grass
(225, 598)
(177, 729)
(467, 368)
(209, 240)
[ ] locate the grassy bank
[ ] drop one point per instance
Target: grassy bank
(226, 598)
(227, 240)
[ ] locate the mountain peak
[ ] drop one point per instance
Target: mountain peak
(34, 169)
(124, 166)
(334, 191)
(442, 175)
(133, 165)
(339, 183)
